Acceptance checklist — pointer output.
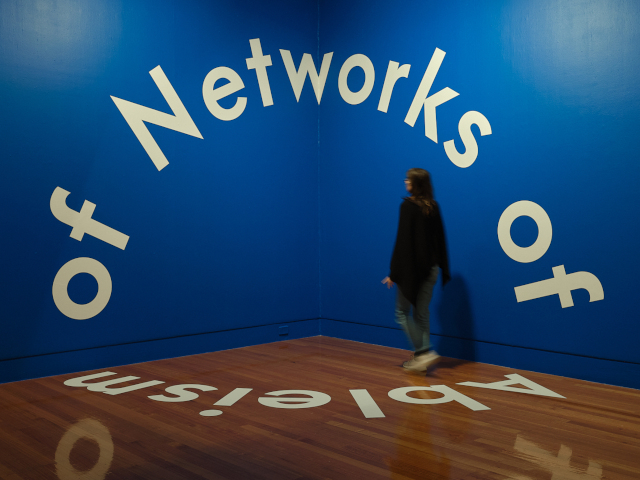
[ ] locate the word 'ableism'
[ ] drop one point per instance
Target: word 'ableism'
(309, 398)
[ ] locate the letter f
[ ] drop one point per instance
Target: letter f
(82, 222)
(562, 285)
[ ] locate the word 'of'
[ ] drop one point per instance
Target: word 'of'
(280, 398)
(81, 223)
(136, 115)
(561, 284)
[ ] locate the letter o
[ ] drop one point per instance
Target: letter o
(61, 296)
(93, 430)
(357, 60)
(525, 208)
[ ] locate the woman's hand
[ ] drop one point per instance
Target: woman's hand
(387, 281)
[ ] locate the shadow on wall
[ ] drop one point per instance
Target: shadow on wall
(456, 321)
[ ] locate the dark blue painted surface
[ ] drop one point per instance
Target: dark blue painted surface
(558, 83)
(289, 212)
(225, 237)
(145, 351)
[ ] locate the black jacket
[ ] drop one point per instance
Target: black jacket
(420, 244)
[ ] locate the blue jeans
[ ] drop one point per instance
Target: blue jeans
(416, 326)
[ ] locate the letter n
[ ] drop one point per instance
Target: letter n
(136, 115)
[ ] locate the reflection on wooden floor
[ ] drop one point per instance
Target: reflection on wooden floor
(361, 416)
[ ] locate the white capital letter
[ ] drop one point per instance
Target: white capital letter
(450, 395)
(422, 100)
(82, 222)
(259, 63)
(464, 160)
(394, 72)
(562, 285)
(211, 95)
(357, 60)
(136, 115)
(532, 388)
(307, 66)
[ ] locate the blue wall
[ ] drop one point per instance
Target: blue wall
(223, 238)
(287, 214)
(558, 83)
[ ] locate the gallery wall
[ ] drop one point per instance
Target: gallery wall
(557, 85)
(223, 242)
(233, 223)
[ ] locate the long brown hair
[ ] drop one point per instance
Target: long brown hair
(421, 189)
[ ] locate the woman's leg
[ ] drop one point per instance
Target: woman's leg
(421, 313)
(406, 321)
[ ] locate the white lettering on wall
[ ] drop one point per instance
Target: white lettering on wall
(307, 66)
(525, 208)
(82, 222)
(60, 286)
(357, 60)
(211, 95)
(394, 73)
(429, 103)
(466, 159)
(259, 63)
(136, 115)
(562, 284)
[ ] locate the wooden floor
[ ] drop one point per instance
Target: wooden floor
(50, 430)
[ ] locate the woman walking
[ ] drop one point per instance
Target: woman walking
(419, 252)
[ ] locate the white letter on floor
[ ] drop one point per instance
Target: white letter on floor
(367, 404)
(449, 395)
(532, 388)
(316, 399)
(182, 392)
(104, 386)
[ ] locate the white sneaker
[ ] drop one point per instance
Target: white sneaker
(422, 362)
(428, 359)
